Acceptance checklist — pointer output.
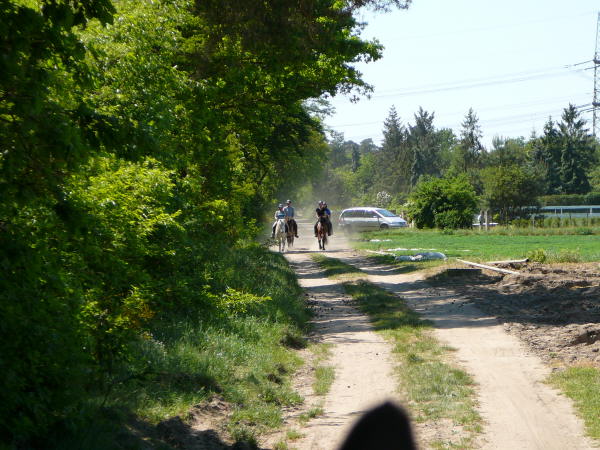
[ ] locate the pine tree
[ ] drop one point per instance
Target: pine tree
(395, 157)
(547, 155)
(577, 152)
(468, 152)
(425, 146)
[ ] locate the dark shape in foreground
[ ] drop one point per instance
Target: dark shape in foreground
(385, 427)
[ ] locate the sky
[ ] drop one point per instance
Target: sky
(515, 62)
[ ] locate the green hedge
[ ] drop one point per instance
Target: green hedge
(591, 198)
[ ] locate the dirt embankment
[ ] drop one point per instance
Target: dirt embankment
(555, 309)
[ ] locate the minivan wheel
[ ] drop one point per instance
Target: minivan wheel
(383, 226)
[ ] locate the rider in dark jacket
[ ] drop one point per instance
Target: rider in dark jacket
(323, 211)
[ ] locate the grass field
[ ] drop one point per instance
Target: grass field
(581, 245)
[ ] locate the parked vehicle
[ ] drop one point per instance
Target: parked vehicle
(366, 218)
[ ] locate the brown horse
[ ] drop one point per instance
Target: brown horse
(322, 229)
(292, 231)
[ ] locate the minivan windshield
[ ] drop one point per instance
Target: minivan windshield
(386, 213)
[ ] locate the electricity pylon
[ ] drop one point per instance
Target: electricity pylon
(596, 101)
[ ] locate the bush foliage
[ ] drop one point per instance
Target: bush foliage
(139, 145)
(445, 203)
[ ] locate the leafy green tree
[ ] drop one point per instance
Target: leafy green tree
(442, 203)
(355, 158)
(506, 152)
(338, 156)
(447, 141)
(131, 154)
(367, 146)
(510, 190)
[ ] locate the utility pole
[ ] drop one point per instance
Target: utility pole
(596, 101)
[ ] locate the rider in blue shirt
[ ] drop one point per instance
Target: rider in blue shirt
(289, 217)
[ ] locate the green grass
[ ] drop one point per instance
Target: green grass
(496, 244)
(324, 374)
(315, 411)
(334, 268)
(246, 357)
(293, 435)
(582, 385)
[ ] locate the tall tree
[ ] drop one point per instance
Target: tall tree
(577, 152)
(395, 158)
(506, 152)
(355, 157)
(546, 155)
(338, 156)
(425, 146)
(367, 146)
(468, 152)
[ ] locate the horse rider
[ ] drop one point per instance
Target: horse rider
(279, 214)
(323, 211)
(289, 217)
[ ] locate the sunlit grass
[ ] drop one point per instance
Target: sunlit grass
(496, 244)
(334, 268)
(582, 385)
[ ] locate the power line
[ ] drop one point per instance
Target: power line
(460, 85)
(596, 100)
(543, 101)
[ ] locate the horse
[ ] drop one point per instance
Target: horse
(280, 234)
(292, 227)
(322, 229)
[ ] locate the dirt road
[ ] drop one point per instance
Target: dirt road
(520, 411)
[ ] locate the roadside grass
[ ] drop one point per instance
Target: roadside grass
(336, 269)
(293, 435)
(246, 358)
(315, 411)
(324, 374)
(562, 245)
(434, 389)
(582, 385)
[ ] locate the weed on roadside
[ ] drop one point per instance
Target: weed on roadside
(334, 268)
(582, 385)
(315, 411)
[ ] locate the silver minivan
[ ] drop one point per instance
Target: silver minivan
(369, 218)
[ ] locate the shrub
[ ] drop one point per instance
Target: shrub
(562, 200)
(443, 203)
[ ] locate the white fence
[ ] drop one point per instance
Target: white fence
(569, 212)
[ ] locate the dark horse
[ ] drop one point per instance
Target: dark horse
(292, 230)
(322, 229)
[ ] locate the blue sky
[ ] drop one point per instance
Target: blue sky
(515, 62)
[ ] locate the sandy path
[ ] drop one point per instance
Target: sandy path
(521, 412)
(361, 358)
